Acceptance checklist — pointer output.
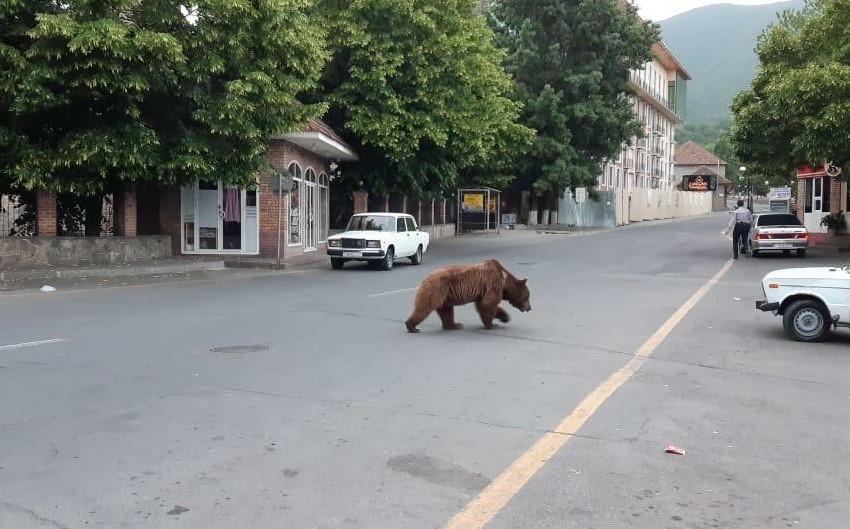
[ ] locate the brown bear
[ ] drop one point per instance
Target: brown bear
(486, 284)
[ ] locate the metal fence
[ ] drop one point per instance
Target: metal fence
(73, 216)
(583, 211)
(17, 216)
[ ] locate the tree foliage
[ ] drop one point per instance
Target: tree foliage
(571, 60)
(96, 92)
(798, 107)
(418, 88)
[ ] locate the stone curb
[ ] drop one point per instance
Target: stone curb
(142, 270)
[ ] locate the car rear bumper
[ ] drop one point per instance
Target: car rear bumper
(764, 306)
(779, 245)
(360, 255)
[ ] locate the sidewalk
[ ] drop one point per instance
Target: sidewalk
(106, 274)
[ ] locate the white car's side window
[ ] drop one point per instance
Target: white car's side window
(400, 225)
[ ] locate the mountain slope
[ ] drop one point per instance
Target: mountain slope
(716, 44)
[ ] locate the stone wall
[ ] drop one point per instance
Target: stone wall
(44, 252)
(439, 231)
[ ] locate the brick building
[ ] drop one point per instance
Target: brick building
(819, 194)
(212, 218)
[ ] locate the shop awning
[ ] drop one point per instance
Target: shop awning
(318, 138)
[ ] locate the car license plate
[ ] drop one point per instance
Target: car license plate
(783, 246)
(352, 254)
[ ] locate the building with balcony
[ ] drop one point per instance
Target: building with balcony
(660, 94)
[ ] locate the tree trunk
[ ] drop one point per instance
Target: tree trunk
(547, 200)
(553, 210)
(532, 212)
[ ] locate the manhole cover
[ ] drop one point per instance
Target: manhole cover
(240, 349)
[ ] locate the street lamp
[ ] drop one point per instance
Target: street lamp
(749, 188)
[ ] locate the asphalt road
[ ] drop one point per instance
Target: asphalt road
(299, 401)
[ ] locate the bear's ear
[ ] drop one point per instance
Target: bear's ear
(524, 281)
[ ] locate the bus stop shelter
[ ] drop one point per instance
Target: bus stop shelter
(478, 209)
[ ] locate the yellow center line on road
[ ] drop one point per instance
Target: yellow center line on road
(480, 511)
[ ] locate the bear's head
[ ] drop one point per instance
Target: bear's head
(517, 294)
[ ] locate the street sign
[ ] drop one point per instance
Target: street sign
(283, 184)
(780, 193)
(833, 170)
(780, 206)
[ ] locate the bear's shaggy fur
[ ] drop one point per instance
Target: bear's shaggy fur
(486, 284)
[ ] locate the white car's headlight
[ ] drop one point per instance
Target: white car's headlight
(373, 244)
(334, 243)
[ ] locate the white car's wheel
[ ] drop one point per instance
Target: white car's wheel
(806, 321)
(389, 259)
(416, 258)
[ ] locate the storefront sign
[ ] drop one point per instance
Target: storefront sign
(811, 171)
(699, 183)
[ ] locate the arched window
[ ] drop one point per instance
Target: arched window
(309, 205)
(295, 205)
(324, 209)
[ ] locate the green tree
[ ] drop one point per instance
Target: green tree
(98, 92)
(418, 88)
(706, 134)
(571, 60)
(798, 107)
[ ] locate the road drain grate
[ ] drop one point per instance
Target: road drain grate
(240, 349)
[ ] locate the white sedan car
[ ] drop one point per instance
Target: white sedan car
(379, 239)
(811, 301)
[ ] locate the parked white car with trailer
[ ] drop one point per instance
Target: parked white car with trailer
(379, 239)
(811, 301)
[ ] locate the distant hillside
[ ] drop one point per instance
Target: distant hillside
(716, 44)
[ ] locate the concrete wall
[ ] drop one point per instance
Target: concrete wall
(619, 207)
(43, 252)
(439, 231)
(654, 204)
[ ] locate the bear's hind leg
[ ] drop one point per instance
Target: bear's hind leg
(447, 315)
(421, 310)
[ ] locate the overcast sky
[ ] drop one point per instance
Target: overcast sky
(661, 9)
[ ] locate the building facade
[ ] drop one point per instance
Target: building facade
(692, 160)
(660, 94)
(154, 220)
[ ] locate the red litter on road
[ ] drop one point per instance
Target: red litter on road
(675, 450)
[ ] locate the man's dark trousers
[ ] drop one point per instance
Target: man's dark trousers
(739, 237)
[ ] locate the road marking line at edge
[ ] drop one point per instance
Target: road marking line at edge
(480, 511)
(30, 344)
(392, 292)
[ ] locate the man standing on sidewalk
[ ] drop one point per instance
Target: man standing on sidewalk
(740, 224)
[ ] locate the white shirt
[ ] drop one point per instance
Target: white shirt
(741, 214)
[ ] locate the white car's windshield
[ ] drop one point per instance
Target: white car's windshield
(371, 223)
